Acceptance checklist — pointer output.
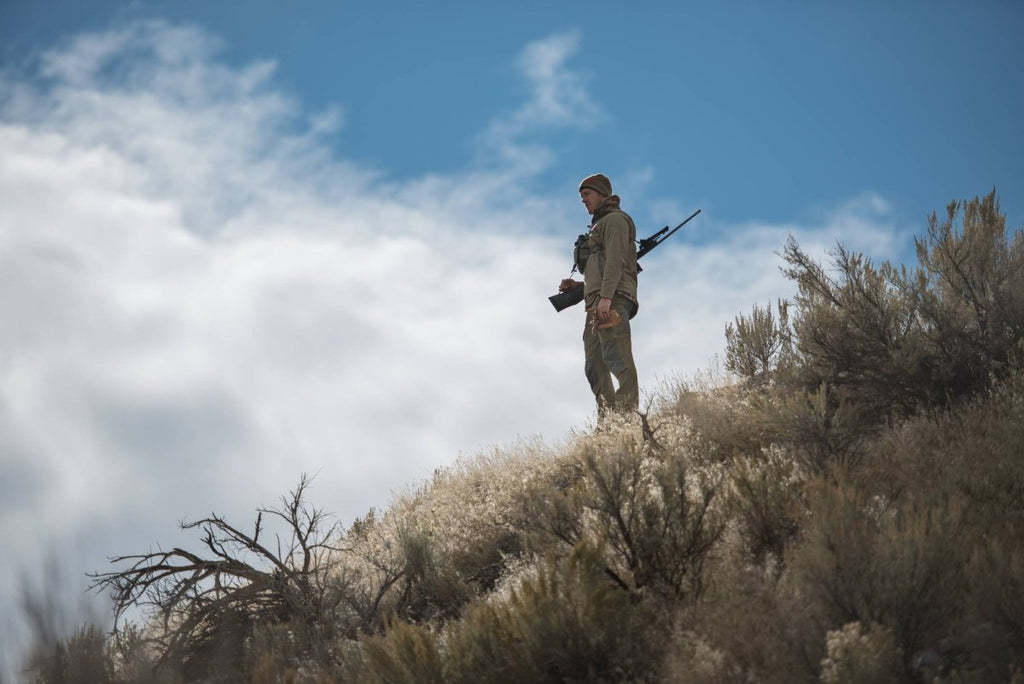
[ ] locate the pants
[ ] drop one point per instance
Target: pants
(610, 352)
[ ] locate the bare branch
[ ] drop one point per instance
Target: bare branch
(190, 594)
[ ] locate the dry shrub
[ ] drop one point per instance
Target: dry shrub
(757, 616)
(133, 658)
(765, 498)
(80, 659)
(691, 659)
(975, 454)
(899, 567)
(822, 428)
(390, 568)
(472, 510)
(861, 656)
(296, 652)
(724, 418)
(204, 605)
(566, 623)
(994, 633)
(405, 654)
(446, 542)
(758, 345)
(656, 514)
(1008, 675)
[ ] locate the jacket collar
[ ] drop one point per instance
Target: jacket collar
(610, 204)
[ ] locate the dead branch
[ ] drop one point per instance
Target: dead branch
(191, 594)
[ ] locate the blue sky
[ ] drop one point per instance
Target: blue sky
(761, 110)
(241, 244)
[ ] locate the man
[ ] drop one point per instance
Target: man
(607, 261)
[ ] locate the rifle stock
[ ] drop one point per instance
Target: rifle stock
(563, 300)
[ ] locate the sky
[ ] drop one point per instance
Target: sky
(238, 245)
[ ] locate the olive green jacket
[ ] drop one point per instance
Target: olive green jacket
(611, 266)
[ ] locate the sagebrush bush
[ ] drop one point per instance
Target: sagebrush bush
(292, 652)
(758, 616)
(765, 498)
(723, 421)
(896, 339)
(406, 653)
(657, 515)
(899, 567)
(691, 659)
(859, 655)
(970, 294)
(391, 567)
(82, 658)
(858, 334)
(993, 633)
(567, 622)
(975, 454)
(759, 346)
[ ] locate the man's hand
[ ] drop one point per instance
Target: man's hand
(604, 315)
(569, 284)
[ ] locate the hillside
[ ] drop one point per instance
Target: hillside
(844, 504)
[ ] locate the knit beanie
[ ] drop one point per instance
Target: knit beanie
(598, 183)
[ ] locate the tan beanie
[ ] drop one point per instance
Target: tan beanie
(598, 183)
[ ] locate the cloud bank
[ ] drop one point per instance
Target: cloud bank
(202, 301)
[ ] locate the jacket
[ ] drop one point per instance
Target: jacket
(611, 266)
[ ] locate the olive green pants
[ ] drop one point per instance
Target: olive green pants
(609, 352)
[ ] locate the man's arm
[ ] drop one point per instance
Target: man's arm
(616, 252)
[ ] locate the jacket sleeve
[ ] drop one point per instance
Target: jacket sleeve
(616, 253)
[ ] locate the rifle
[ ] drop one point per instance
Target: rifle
(563, 300)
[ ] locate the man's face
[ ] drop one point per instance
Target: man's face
(591, 199)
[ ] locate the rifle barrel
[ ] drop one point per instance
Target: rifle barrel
(647, 244)
(685, 221)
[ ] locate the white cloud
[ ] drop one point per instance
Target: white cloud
(200, 302)
(558, 98)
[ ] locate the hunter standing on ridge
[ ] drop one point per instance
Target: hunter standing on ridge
(607, 260)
